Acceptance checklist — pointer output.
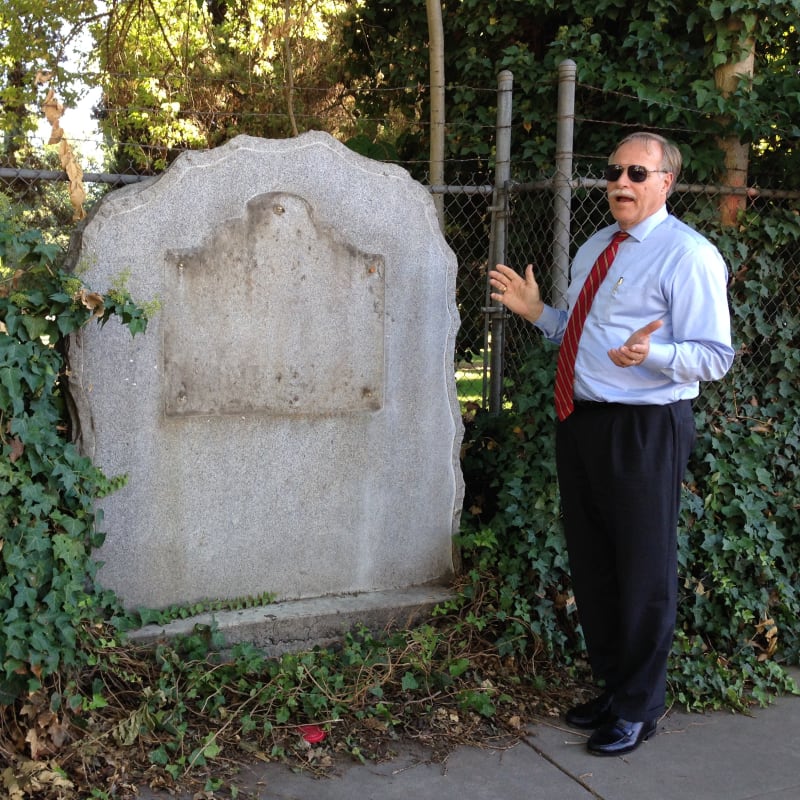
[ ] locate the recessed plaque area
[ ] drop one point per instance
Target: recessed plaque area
(273, 314)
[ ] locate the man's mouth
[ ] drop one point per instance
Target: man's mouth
(620, 195)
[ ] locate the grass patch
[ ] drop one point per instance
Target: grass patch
(469, 383)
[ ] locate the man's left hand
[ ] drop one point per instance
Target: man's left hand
(635, 350)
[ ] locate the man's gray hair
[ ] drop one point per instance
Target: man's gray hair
(671, 159)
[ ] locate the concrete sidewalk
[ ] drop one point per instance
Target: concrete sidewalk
(719, 756)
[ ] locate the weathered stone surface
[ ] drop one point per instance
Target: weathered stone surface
(262, 267)
(288, 423)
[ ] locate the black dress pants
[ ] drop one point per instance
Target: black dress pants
(620, 469)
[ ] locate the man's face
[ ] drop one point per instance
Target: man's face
(632, 202)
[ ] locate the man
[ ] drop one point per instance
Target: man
(656, 326)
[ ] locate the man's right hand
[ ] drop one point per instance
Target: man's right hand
(517, 294)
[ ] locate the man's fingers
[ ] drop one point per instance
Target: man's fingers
(502, 271)
(652, 326)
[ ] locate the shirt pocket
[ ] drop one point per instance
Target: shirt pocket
(621, 301)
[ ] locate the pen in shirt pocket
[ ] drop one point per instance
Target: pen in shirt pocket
(616, 287)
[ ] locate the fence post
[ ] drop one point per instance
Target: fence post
(562, 181)
(495, 311)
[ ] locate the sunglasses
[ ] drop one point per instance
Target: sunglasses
(638, 174)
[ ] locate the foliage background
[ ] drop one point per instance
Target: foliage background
(177, 77)
(192, 75)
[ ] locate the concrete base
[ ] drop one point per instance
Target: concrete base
(297, 625)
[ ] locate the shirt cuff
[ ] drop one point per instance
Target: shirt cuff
(661, 355)
(548, 322)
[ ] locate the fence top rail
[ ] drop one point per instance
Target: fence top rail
(118, 179)
(449, 189)
(60, 175)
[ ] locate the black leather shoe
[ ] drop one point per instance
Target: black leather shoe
(591, 714)
(619, 736)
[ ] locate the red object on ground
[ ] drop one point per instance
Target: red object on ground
(312, 733)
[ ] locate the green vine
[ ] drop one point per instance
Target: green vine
(73, 688)
(48, 594)
(151, 616)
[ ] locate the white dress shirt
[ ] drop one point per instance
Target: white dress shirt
(664, 270)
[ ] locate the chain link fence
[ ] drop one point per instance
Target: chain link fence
(547, 220)
(467, 213)
(764, 272)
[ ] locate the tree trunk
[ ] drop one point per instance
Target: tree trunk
(436, 58)
(727, 78)
(287, 51)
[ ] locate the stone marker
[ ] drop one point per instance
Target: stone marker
(288, 423)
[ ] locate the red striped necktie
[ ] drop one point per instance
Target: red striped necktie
(565, 369)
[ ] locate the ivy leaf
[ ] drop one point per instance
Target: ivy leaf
(13, 397)
(717, 10)
(35, 326)
(137, 325)
(39, 501)
(211, 748)
(159, 756)
(409, 682)
(459, 667)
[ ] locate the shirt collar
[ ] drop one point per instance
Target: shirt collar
(643, 229)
